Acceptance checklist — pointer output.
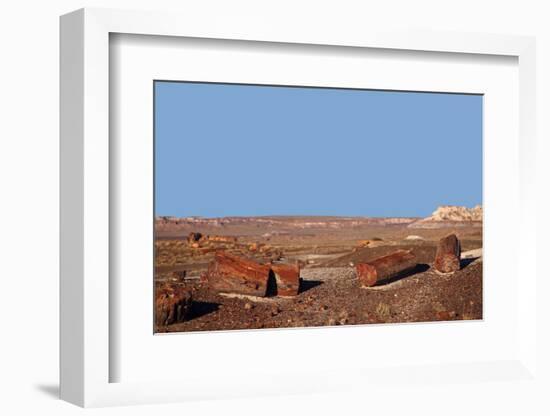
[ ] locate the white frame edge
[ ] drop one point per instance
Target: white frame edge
(84, 172)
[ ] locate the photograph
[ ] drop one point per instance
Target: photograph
(284, 206)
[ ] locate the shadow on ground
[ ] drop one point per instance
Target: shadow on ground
(420, 268)
(467, 262)
(51, 390)
(199, 308)
(306, 285)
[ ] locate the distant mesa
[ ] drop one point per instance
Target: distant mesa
(449, 215)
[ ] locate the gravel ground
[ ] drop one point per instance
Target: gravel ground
(332, 296)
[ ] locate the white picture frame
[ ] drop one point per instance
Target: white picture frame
(86, 165)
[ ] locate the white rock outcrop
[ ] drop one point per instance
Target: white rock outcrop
(455, 215)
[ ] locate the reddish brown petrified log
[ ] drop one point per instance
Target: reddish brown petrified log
(232, 274)
(287, 279)
(172, 303)
(447, 256)
(387, 267)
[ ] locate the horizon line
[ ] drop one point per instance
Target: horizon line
(316, 215)
(282, 216)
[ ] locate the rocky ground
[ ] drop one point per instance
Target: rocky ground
(329, 291)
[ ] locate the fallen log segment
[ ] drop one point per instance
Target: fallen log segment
(385, 268)
(232, 274)
(172, 304)
(287, 279)
(447, 256)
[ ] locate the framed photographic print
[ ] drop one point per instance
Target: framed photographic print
(312, 206)
(298, 212)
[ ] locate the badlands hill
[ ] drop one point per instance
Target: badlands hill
(448, 215)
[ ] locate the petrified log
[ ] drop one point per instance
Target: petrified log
(387, 267)
(287, 279)
(447, 256)
(231, 274)
(172, 303)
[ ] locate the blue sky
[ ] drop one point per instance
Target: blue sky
(244, 150)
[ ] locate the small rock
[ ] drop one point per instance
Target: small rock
(446, 315)
(343, 318)
(248, 306)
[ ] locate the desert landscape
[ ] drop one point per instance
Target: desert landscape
(309, 271)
